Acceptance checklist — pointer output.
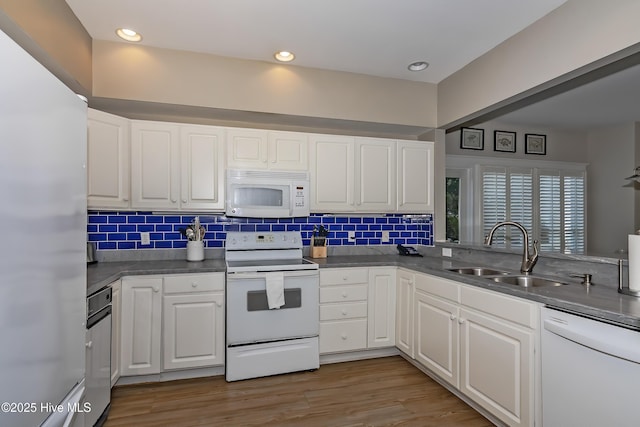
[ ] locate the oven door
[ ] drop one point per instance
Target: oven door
(249, 319)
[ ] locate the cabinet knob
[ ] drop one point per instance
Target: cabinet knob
(125, 199)
(452, 316)
(343, 336)
(156, 289)
(344, 312)
(174, 200)
(219, 303)
(184, 200)
(345, 277)
(461, 320)
(89, 344)
(344, 295)
(194, 284)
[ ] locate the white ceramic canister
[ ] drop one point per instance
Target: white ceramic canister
(195, 250)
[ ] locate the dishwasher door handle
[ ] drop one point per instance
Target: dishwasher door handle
(604, 343)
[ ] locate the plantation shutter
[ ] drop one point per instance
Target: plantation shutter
(574, 213)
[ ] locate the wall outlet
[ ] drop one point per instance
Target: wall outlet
(446, 252)
(145, 238)
(352, 236)
(385, 237)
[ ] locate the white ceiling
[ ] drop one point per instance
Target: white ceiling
(374, 37)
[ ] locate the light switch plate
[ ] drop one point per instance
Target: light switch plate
(446, 252)
(145, 238)
(352, 236)
(385, 237)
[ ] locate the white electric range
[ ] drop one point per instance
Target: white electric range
(272, 305)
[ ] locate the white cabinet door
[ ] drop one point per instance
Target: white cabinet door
(381, 308)
(405, 287)
(332, 173)
(141, 325)
(193, 330)
(288, 151)
(247, 148)
(415, 177)
(497, 367)
(155, 165)
(202, 167)
(375, 179)
(436, 336)
(116, 321)
(107, 161)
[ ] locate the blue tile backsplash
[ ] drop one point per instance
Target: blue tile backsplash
(121, 230)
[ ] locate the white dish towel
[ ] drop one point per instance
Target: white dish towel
(275, 289)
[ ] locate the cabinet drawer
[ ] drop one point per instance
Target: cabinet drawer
(184, 283)
(343, 293)
(343, 276)
(343, 336)
(502, 306)
(343, 311)
(437, 286)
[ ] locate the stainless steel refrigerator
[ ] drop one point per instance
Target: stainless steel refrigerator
(42, 244)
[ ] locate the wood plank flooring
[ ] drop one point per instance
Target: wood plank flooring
(376, 392)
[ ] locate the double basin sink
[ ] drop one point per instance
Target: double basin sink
(500, 276)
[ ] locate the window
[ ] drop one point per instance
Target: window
(547, 202)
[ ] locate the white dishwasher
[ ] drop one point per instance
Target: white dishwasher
(590, 372)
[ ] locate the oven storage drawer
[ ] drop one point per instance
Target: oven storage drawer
(344, 276)
(186, 283)
(344, 335)
(261, 360)
(343, 293)
(343, 311)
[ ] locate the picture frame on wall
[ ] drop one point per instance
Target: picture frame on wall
(504, 141)
(535, 144)
(472, 139)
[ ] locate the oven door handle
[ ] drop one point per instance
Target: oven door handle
(262, 275)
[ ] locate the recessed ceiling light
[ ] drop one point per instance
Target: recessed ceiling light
(128, 35)
(284, 56)
(418, 66)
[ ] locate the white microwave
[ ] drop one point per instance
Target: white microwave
(267, 194)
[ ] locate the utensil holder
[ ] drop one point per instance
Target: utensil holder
(318, 251)
(195, 250)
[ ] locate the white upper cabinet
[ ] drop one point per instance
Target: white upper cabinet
(288, 151)
(415, 177)
(262, 149)
(177, 166)
(332, 173)
(107, 161)
(375, 178)
(202, 168)
(155, 165)
(247, 148)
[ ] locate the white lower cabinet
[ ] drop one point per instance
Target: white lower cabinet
(116, 318)
(357, 309)
(480, 342)
(381, 303)
(343, 309)
(171, 322)
(141, 327)
(405, 286)
(193, 319)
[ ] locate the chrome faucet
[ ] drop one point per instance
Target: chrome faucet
(528, 261)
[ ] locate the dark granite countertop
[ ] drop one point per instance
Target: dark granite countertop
(599, 301)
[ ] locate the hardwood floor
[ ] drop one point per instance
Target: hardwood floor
(375, 392)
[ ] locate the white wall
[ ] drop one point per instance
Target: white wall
(578, 33)
(610, 198)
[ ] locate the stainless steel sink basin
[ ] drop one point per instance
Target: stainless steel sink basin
(527, 281)
(477, 271)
